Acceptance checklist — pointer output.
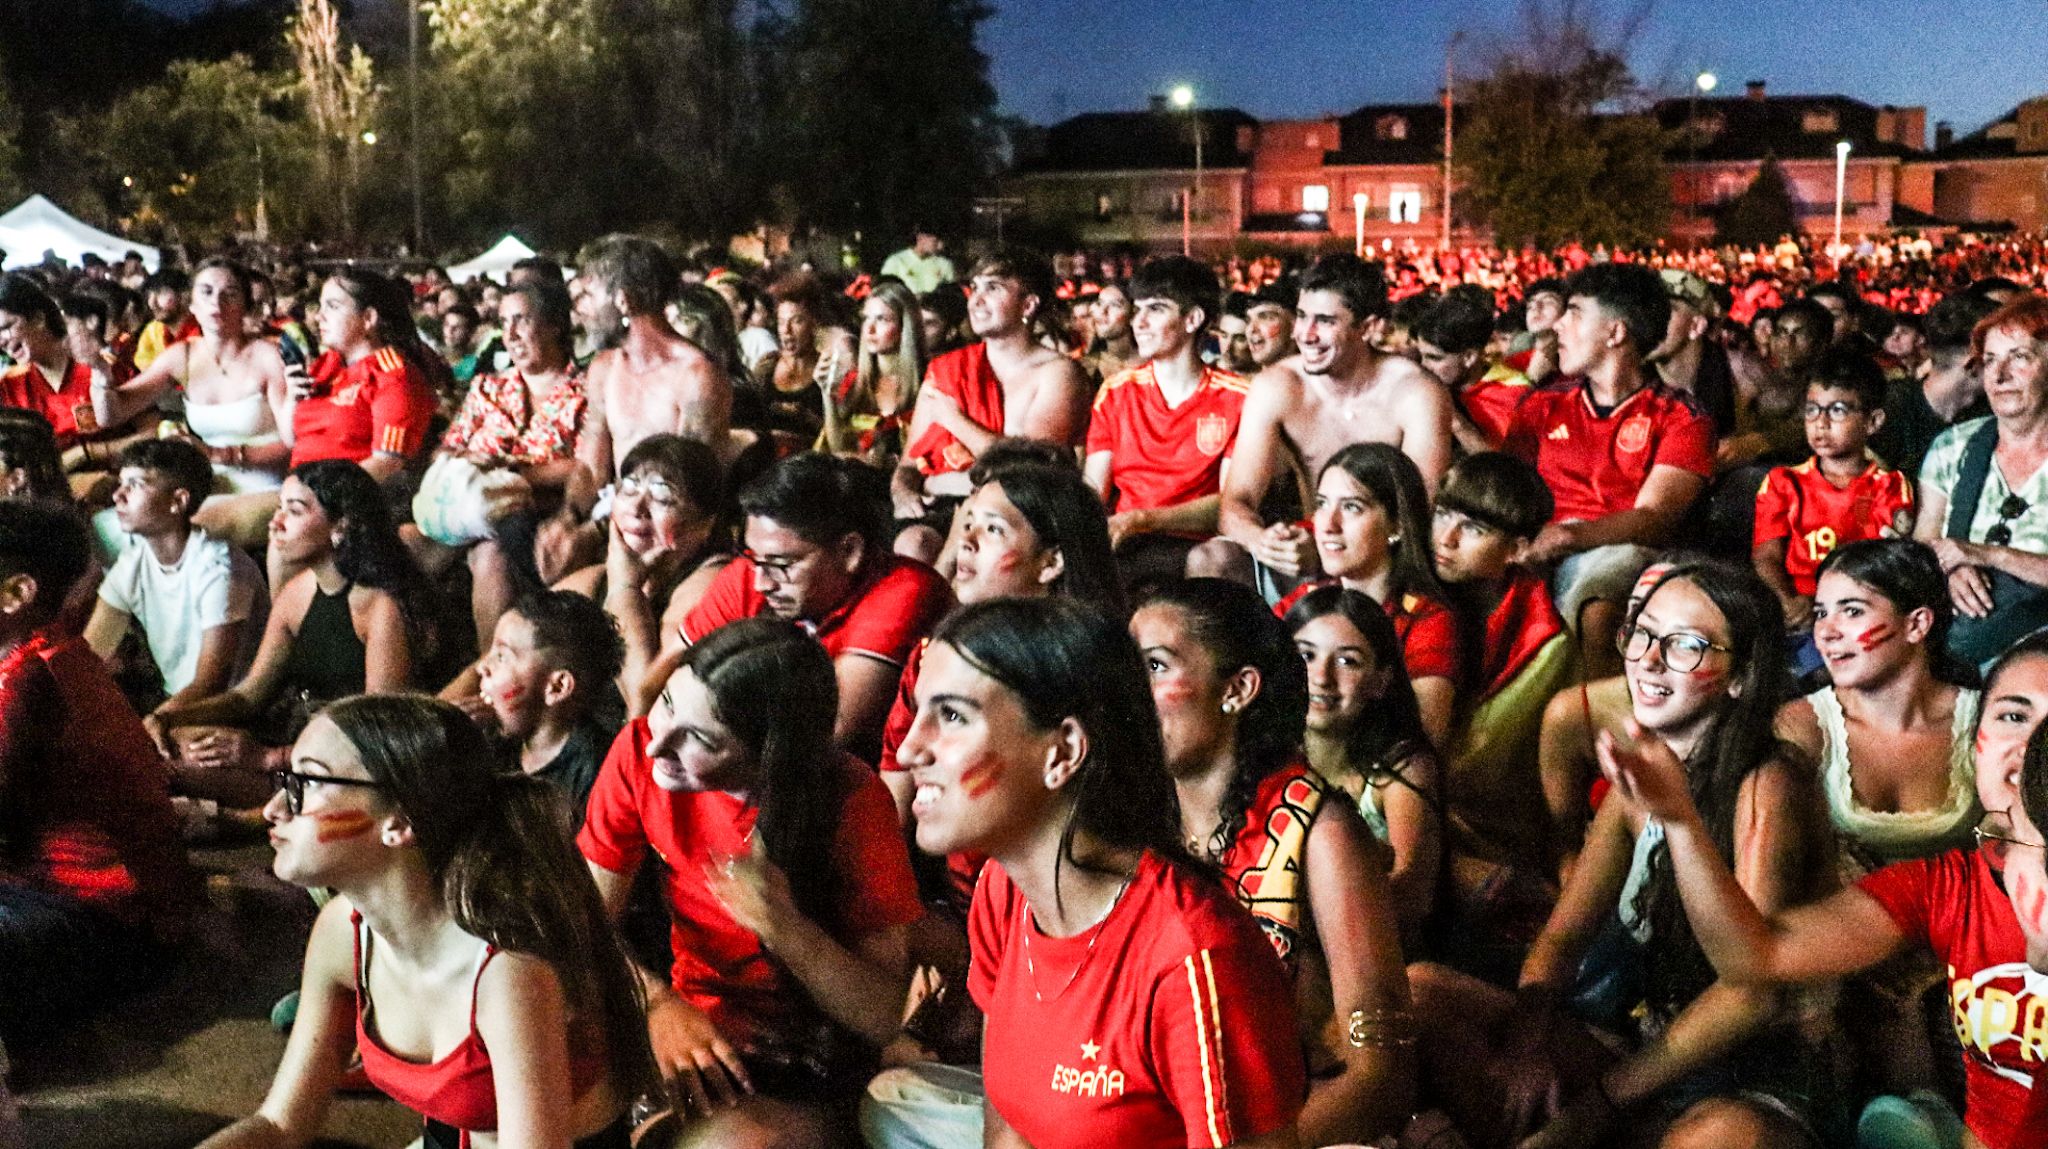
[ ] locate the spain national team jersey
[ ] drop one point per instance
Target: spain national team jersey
(1169, 1024)
(1800, 504)
(67, 407)
(379, 403)
(1161, 455)
(1596, 464)
(966, 377)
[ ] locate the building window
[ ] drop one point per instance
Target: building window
(1391, 127)
(1820, 122)
(1404, 205)
(1313, 142)
(1315, 197)
(1105, 205)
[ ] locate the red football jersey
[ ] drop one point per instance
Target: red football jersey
(68, 407)
(885, 617)
(1163, 456)
(1800, 504)
(1491, 403)
(1953, 905)
(1596, 464)
(1170, 1024)
(965, 377)
(720, 965)
(380, 402)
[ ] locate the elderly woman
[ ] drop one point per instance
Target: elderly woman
(1984, 489)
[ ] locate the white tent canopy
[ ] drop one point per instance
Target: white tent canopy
(494, 263)
(37, 226)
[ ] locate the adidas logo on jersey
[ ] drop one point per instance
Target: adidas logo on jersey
(1559, 433)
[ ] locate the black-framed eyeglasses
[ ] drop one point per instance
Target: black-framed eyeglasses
(293, 784)
(2000, 534)
(1680, 651)
(1835, 412)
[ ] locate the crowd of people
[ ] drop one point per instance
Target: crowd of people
(1451, 699)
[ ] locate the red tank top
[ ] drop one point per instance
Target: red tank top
(458, 1090)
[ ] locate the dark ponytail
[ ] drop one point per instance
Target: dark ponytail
(497, 843)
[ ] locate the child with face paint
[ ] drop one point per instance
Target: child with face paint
(1954, 906)
(465, 953)
(1232, 700)
(1704, 675)
(547, 674)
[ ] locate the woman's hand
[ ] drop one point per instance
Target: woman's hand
(153, 725)
(754, 891)
(623, 570)
(1531, 1084)
(1646, 774)
(700, 1067)
(225, 748)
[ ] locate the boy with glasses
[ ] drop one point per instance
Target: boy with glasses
(1842, 494)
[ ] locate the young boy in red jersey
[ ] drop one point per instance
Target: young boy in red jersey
(1842, 494)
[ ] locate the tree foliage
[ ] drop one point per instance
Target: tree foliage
(1764, 211)
(1555, 143)
(339, 85)
(189, 155)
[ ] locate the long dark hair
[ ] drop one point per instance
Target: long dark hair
(1233, 624)
(1907, 575)
(1067, 517)
(2034, 767)
(1392, 481)
(370, 551)
(392, 304)
(1738, 741)
(1062, 659)
(27, 441)
(1374, 743)
(497, 845)
(773, 687)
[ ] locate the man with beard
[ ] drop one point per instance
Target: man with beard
(1338, 390)
(647, 380)
(1007, 385)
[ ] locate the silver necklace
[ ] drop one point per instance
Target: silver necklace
(1031, 970)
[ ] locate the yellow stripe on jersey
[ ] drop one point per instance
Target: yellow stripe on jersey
(1210, 1072)
(389, 359)
(1117, 380)
(392, 440)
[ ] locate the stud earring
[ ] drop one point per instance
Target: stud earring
(1393, 540)
(1230, 708)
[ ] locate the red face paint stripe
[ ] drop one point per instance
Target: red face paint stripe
(978, 780)
(344, 824)
(1870, 639)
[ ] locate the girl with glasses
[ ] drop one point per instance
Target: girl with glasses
(1617, 966)
(1952, 906)
(465, 954)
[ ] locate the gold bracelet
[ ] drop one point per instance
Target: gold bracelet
(1381, 1029)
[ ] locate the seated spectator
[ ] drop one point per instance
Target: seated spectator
(1112, 345)
(42, 376)
(1951, 907)
(1233, 343)
(817, 555)
(942, 313)
(1269, 324)
(1533, 351)
(170, 320)
(1989, 523)
(786, 379)
(1232, 701)
(233, 389)
(1767, 411)
(1364, 734)
(527, 419)
(355, 619)
(1372, 533)
(1450, 343)
(465, 346)
(868, 409)
(94, 888)
(30, 470)
(458, 908)
(1704, 675)
(368, 399)
(1891, 736)
(1008, 384)
(547, 677)
(1037, 743)
(1624, 456)
(1518, 656)
(1842, 494)
(1918, 408)
(788, 884)
(198, 602)
(1160, 438)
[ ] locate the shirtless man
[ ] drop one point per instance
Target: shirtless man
(1335, 392)
(646, 381)
(1007, 385)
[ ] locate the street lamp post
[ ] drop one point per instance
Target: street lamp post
(1183, 98)
(1450, 100)
(1358, 222)
(1841, 180)
(1702, 84)
(412, 142)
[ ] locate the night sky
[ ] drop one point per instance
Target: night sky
(1968, 61)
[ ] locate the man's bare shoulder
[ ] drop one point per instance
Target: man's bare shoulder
(1054, 369)
(1281, 383)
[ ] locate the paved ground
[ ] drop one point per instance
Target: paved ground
(165, 1070)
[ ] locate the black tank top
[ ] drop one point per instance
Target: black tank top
(327, 659)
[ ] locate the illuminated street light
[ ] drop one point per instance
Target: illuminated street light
(370, 138)
(1841, 177)
(1706, 82)
(1183, 97)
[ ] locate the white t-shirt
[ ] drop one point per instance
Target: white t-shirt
(213, 584)
(756, 344)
